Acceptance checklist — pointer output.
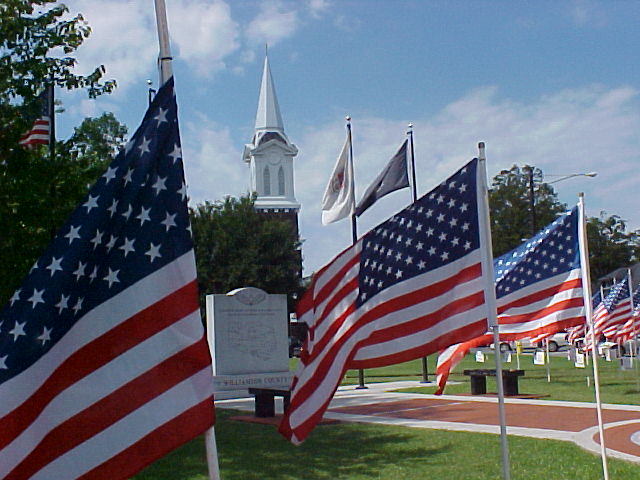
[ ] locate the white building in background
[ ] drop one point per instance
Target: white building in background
(270, 156)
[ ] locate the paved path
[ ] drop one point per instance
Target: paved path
(568, 421)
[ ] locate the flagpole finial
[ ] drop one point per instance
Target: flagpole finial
(347, 118)
(481, 155)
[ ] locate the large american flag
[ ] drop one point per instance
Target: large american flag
(411, 286)
(104, 365)
(40, 131)
(538, 290)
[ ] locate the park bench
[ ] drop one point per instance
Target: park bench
(479, 380)
(265, 405)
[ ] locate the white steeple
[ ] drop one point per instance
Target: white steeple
(270, 153)
(268, 116)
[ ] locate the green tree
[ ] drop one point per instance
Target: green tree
(610, 245)
(37, 195)
(511, 200)
(37, 42)
(237, 247)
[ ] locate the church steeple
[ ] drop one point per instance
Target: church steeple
(268, 117)
(270, 154)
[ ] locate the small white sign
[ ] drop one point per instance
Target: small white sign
(580, 363)
(506, 358)
(538, 358)
(479, 356)
(611, 354)
(626, 363)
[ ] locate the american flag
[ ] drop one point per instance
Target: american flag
(40, 132)
(538, 290)
(104, 365)
(411, 286)
(629, 329)
(614, 311)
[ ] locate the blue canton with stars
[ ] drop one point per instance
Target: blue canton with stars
(554, 250)
(133, 221)
(439, 228)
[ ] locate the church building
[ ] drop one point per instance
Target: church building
(270, 156)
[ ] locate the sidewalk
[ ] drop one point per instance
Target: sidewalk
(568, 421)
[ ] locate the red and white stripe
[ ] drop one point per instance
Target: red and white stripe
(607, 324)
(538, 310)
(408, 320)
(128, 383)
(39, 134)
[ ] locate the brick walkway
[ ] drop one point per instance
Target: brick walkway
(568, 421)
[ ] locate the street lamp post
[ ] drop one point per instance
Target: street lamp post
(532, 200)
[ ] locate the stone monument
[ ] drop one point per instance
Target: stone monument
(247, 331)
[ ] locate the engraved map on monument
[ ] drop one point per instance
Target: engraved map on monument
(253, 337)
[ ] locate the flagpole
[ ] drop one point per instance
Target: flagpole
(354, 224)
(586, 288)
(490, 299)
(166, 73)
(165, 58)
(414, 197)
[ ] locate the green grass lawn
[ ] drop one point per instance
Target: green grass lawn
(567, 382)
(358, 452)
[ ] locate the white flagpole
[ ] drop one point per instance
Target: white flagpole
(586, 291)
(165, 74)
(490, 299)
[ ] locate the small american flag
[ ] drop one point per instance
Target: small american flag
(538, 290)
(40, 132)
(629, 330)
(104, 365)
(411, 286)
(614, 311)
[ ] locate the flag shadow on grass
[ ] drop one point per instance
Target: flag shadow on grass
(250, 451)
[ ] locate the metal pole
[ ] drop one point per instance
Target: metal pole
(354, 224)
(414, 197)
(532, 200)
(490, 299)
(165, 58)
(586, 289)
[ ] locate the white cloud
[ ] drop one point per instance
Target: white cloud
(586, 13)
(213, 163)
(204, 33)
(274, 22)
(572, 131)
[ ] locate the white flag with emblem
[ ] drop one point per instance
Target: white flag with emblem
(338, 201)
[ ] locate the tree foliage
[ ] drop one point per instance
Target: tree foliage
(510, 202)
(610, 245)
(237, 247)
(38, 194)
(37, 41)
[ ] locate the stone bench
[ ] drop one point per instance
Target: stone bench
(265, 400)
(479, 380)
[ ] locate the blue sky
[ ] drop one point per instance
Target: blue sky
(550, 83)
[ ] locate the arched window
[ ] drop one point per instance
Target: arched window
(266, 179)
(281, 181)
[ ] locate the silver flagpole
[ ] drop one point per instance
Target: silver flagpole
(490, 299)
(165, 58)
(586, 289)
(165, 74)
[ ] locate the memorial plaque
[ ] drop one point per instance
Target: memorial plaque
(247, 331)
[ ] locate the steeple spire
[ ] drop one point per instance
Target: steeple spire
(268, 117)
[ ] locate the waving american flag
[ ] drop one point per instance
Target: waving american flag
(103, 361)
(538, 290)
(411, 286)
